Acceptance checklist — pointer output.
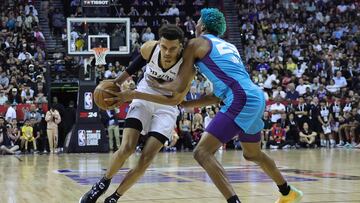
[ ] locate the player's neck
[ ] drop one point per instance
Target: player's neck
(164, 65)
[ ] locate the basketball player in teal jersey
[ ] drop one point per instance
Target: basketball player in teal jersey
(244, 105)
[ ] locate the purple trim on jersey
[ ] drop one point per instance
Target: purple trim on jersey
(239, 95)
(225, 129)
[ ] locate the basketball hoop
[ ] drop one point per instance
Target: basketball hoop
(100, 54)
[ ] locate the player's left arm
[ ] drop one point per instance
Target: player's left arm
(203, 101)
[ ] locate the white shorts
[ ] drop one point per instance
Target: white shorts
(154, 117)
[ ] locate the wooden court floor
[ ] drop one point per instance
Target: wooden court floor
(323, 175)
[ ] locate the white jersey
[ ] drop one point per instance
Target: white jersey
(153, 69)
(155, 117)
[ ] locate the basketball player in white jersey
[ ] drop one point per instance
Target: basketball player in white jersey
(162, 60)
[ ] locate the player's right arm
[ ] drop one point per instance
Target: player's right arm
(139, 62)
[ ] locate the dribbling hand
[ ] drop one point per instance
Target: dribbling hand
(119, 97)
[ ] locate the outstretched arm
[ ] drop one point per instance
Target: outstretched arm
(203, 101)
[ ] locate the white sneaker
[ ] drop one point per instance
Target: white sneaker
(286, 146)
(273, 147)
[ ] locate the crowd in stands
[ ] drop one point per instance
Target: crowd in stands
(23, 90)
(305, 55)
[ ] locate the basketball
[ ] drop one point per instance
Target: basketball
(100, 95)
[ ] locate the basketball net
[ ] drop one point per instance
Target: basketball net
(100, 54)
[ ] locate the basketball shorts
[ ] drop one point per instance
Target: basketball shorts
(154, 117)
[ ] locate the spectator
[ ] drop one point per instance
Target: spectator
(111, 122)
(208, 118)
(58, 22)
(279, 92)
(53, 119)
(6, 146)
(339, 80)
(173, 11)
(277, 138)
(3, 97)
(302, 112)
(292, 135)
(148, 35)
(32, 113)
(190, 27)
(27, 136)
(325, 119)
(301, 88)
(292, 94)
(276, 110)
(10, 112)
(134, 36)
(307, 136)
(185, 139)
(192, 95)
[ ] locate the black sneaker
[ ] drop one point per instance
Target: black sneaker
(96, 191)
(110, 200)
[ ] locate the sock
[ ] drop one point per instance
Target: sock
(233, 199)
(284, 189)
(332, 141)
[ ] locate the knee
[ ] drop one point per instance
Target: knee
(254, 157)
(126, 150)
(144, 162)
(201, 155)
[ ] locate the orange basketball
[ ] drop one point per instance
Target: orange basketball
(100, 95)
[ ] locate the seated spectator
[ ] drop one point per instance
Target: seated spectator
(277, 137)
(307, 136)
(197, 128)
(148, 35)
(279, 92)
(173, 11)
(276, 110)
(301, 88)
(339, 80)
(27, 136)
(6, 146)
(292, 135)
(292, 94)
(208, 118)
(185, 139)
(3, 97)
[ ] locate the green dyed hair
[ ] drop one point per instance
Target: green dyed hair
(213, 20)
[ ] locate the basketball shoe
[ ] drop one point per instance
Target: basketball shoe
(294, 196)
(110, 200)
(96, 191)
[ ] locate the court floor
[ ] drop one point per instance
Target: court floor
(323, 175)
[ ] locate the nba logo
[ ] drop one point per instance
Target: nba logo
(88, 101)
(81, 138)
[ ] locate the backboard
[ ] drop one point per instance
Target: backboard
(85, 34)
